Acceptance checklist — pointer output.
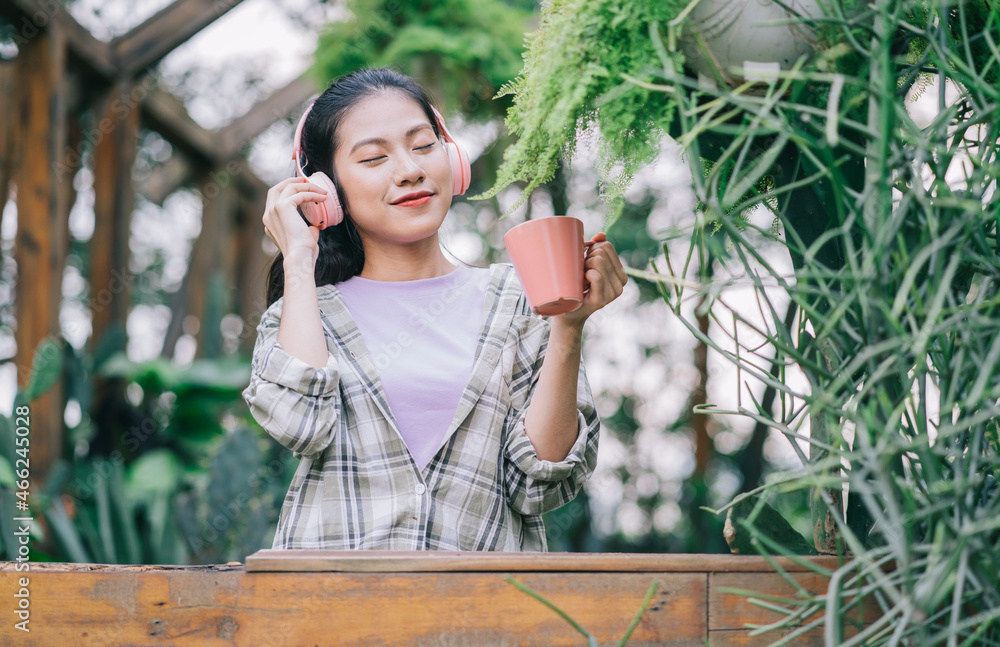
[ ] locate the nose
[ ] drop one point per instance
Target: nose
(409, 171)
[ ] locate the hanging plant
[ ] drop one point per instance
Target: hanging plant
(595, 69)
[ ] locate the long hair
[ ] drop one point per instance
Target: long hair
(341, 254)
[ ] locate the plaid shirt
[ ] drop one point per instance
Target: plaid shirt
(358, 487)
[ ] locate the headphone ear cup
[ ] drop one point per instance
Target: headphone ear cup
(327, 212)
(461, 170)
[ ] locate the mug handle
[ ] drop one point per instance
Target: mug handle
(586, 244)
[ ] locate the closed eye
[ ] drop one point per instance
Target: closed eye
(381, 157)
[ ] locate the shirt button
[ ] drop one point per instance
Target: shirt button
(420, 488)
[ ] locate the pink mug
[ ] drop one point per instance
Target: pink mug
(547, 255)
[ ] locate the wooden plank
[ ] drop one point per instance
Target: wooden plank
(147, 44)
(163, 607)
(742, 638)
(429, 561)
(43, 229)
(731, 614)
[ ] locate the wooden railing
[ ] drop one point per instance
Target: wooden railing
(401, 598)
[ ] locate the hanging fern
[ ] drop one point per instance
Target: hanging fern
(572, 69)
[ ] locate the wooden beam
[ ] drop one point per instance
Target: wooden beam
(33, 17)
(229, 143)
(43, 230)
(172, 175)
(164, 113)
(243, 130)
(167, 115)
(145, 45)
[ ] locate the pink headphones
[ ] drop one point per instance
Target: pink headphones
(329, 212)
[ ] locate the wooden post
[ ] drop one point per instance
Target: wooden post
(210, 295)
(43, 232)
(115, 134)
(252, 265)
(7, 131)
(203, 293)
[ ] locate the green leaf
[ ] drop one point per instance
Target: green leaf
(113, 341)
(124, 513)
(104, 520)
(155, 473)
(45, 368)
(6, 473)
(7, 438)
(66, 533)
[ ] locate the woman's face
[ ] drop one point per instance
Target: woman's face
(394, 172)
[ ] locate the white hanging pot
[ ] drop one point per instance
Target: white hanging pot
(731, 40)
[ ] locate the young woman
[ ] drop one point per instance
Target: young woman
(429, 407)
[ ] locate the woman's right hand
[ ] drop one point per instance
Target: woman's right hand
(284, 225)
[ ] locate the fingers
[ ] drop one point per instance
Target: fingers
(605, 251)
(282, 220)
(292, 187)
(275, 191)
(605, 286)
(299, 192)
(603, 271)
(285, 196)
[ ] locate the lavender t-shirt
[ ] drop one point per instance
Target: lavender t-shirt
(422, 337)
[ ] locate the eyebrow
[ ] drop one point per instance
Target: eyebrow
(379, 140)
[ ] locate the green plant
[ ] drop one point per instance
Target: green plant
(890, 225)
(463, 51)
(46, 368)
(193, 480)
(572, 79)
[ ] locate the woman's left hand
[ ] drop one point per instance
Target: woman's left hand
(604, 278)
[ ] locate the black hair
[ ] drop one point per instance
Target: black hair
(341, 254)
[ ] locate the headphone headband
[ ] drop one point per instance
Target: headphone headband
(297, 146)
(461, 171)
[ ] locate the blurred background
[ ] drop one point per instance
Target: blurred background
(137, 295)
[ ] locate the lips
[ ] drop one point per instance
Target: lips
(417, 199)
